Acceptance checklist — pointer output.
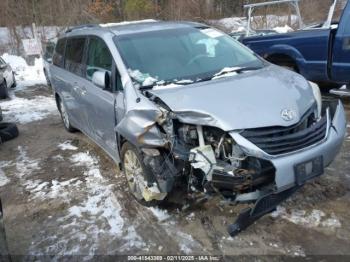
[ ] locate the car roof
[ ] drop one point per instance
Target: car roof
(130, 27)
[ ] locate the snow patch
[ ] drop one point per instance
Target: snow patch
(95, 214)
(283, 29)
(25, 166)
(310, 220)
(67, 145)
(24, 110)
(160, 214)
(101, 201)
(143, 78)
(3, 178)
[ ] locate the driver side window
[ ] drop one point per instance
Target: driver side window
(99, 58)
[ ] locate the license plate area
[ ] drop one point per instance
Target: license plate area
(308, 170)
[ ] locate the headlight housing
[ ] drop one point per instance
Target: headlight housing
(318, 97)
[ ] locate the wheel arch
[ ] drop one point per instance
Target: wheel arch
(286, 52)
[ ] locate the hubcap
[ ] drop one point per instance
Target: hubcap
(64, 115)
(133, 173)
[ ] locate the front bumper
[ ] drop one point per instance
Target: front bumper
(284, 164)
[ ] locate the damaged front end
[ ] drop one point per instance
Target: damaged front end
(205, 160)
(208, 161)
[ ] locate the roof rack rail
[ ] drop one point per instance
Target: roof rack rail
(70, 29)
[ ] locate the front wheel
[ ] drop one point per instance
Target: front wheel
(139, 178)
(65, 117)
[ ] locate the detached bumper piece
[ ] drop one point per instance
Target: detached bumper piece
(263, 206)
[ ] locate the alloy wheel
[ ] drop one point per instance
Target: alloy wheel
(134, 174)
(64, 115)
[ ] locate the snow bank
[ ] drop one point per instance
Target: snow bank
(239, 24)
(232, 24)
(24, 110)
(283, 29)
(26, 75)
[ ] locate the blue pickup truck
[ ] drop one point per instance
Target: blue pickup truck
(321, 53)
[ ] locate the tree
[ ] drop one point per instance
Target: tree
(138, 9)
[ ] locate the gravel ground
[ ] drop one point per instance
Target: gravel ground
(62, 195)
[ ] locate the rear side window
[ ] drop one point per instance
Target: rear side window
(74, 55)
(58, 58)
(99, 58)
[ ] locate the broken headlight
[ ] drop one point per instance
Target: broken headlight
(318, 97)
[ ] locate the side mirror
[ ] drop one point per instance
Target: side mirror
(3, 66)
(101, 79)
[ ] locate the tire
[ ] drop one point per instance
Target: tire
(14, 84)
(65, 117)
(4, 92)
(126, 152)
(8, 131)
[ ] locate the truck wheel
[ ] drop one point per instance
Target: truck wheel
(65, 117)
(4, 92)
(138, 177)
(8, 131)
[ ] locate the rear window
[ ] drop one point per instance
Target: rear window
(74, 55)
(58, 58)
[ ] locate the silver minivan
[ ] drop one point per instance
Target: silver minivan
(180, 105)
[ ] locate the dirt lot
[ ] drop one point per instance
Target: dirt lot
(63, 195)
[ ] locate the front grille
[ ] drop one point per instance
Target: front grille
(282, 140)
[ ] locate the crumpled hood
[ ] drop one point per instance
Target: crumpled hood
(249, 100)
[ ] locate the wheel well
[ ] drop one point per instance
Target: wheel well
(283, 60)
(57, 99)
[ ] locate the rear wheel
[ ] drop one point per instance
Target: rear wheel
(4, 92)
(139, 178)
(65, 117)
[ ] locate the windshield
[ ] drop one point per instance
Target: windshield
(181, 55)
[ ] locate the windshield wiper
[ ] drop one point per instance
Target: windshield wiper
(232, 70)
(237, 70)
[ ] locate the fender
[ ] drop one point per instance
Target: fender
(289, 51)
